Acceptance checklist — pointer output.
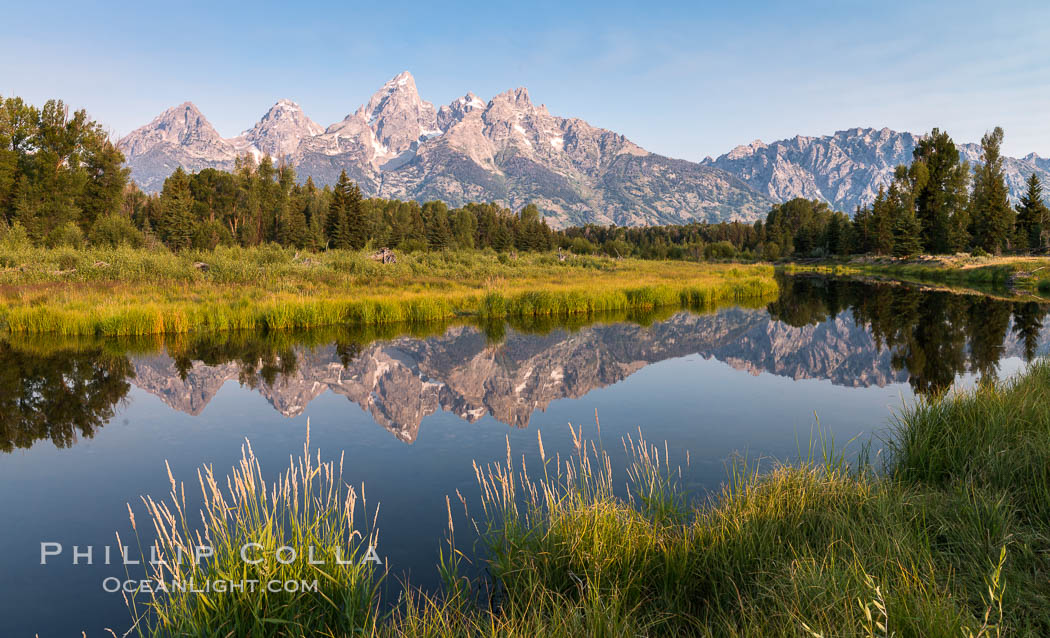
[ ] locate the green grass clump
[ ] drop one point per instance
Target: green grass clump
(997, 437)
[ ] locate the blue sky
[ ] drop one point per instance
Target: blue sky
(682, 79)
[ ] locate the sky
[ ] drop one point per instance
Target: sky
(685, 80)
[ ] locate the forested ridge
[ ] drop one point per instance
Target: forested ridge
(63, 183)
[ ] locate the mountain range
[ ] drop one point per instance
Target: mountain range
(512, 151)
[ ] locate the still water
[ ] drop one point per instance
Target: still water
(86, 426)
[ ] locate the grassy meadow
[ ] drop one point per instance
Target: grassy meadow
(946, 534)
(125, 291)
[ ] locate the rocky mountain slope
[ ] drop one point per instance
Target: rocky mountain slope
(508, 150)
(846, 169)
(513, 151)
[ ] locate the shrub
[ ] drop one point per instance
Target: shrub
(581, 246)
(115, 230)
(719, 250)
(67, 235)
(14, 237)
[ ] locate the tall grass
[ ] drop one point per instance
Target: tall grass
(950, 537)
(253, 528)
(124, 292)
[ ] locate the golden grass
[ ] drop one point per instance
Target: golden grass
(120, 292)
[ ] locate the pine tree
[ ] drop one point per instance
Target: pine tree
(503, 236)
(337, 231)
(435, 217)
(907, 232)
(176, 224)
(881, 224)
(993, 218)
(356, 223)
(860, 235)
(1032, 216)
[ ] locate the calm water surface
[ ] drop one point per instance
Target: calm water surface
(86, 426)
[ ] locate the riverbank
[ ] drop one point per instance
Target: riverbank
(123, 291)
(1024, 275)
(946, 534)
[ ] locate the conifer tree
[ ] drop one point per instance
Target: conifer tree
(337, 231)
(176, 224)
(357, 231)
(907, 233)
(881, 224)
(993, 219)
(937, 181)
(435, 217)
(1032, 216)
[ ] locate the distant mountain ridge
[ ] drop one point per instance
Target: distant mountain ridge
(846, 169)
(506, 150)
(514, 152)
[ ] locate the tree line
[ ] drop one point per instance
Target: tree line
(262, 202)
(63, 182)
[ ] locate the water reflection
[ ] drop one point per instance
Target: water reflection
(850, 333)
(934, 335)
(58, 394)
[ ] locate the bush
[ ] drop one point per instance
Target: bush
(720, 250)
(581, 246)
(112, 231)
(68, 235)
(617, 248)
(14, 237)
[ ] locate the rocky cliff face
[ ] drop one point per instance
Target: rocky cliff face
(847, 168)
(399, 382)
(508, 150)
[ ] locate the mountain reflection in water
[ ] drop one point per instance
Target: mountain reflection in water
(847, 332)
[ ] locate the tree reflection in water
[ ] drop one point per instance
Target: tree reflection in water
(935, 335)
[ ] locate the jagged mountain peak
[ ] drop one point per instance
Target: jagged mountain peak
(280, 131)
(455, 111)
(184, 117)
(516, 99)
(744, 150)
(182, 127)
(397, 116)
